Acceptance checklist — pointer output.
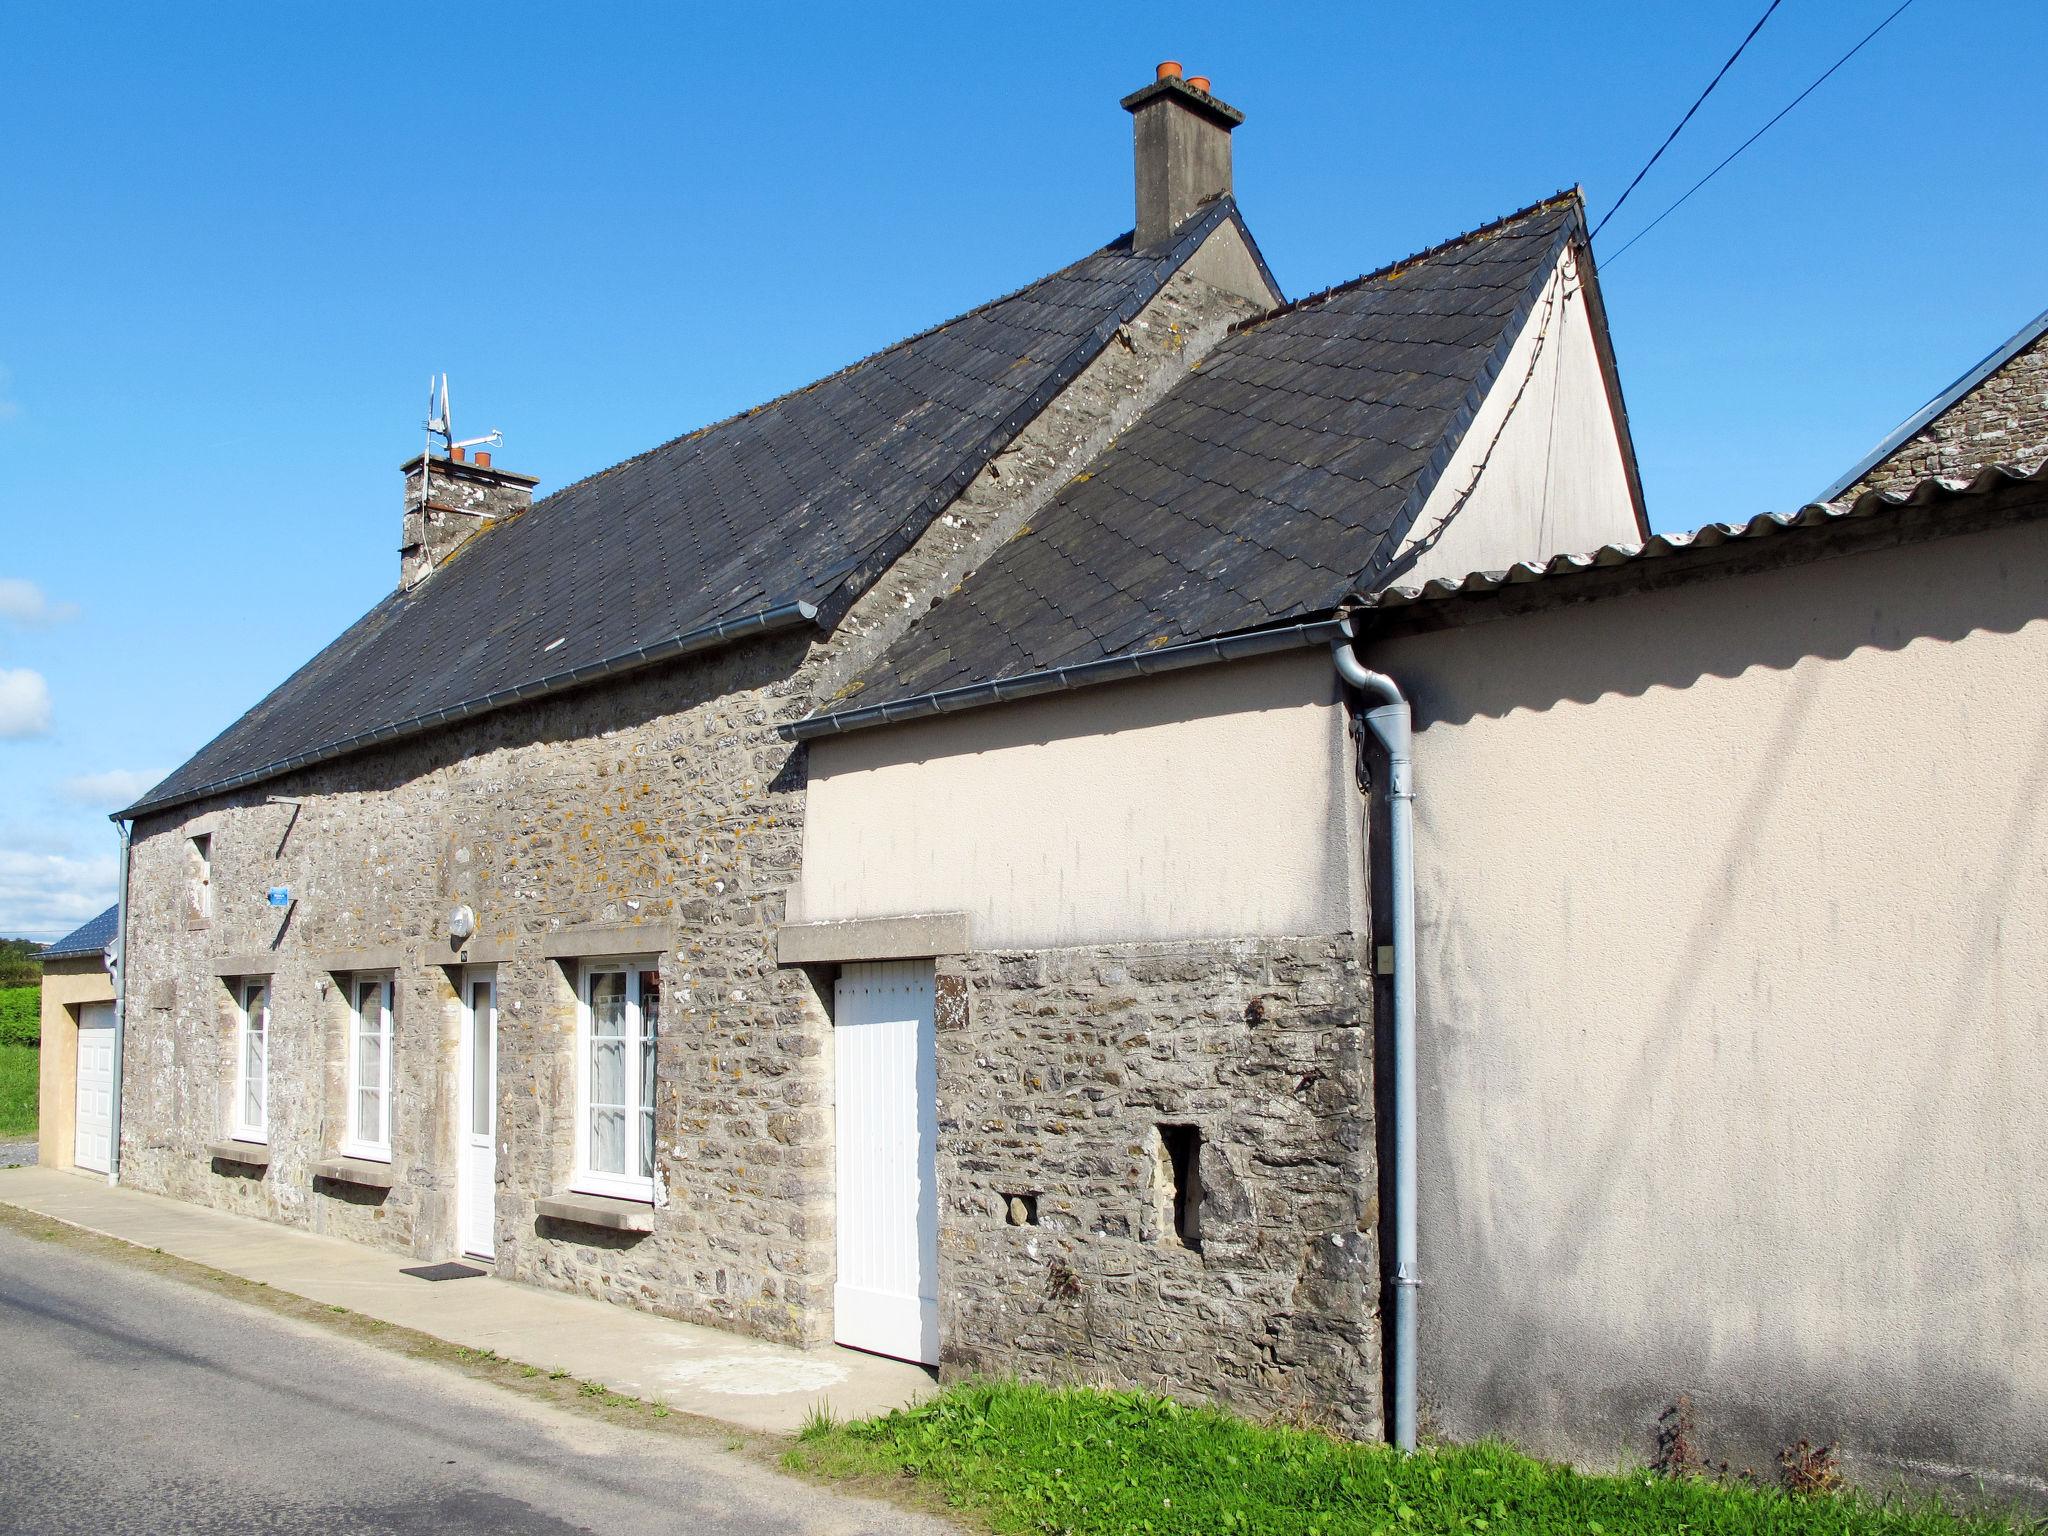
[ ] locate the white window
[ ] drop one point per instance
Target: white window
(369, 1070)
(252, 1062)
(617, 1027)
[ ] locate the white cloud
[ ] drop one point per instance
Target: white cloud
(109, 791)
(44, 896)
(24, 704)
(25, 603)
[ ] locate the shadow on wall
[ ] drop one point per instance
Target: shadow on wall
(1673, 636)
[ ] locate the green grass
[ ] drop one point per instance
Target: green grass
(1080, 1461)
(21, 1020)
(17, 1091)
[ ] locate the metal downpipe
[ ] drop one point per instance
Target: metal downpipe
(1386, 715)
(120, 978)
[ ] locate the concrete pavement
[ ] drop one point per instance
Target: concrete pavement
(694, 1370)
(136, 1403)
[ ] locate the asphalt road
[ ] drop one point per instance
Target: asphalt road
(132, 1403)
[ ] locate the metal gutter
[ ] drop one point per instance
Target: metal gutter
(1314, 634)
(708, 637)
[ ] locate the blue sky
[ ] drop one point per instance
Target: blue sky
(240, 237)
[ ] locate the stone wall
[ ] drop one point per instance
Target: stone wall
(1056, 1070)
(662, 806)
(2004, 420)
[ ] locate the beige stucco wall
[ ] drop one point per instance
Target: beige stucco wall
(67, 986)
(1540, 471)
(1204, 804)
(1734, 949)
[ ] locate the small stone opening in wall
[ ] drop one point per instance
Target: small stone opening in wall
(1180, 1184)
(1021, 1210)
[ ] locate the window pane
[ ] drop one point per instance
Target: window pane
(483, 1091)
(369, 1119)
(608, 1003)
(646, 1169)
(646, 1099)
(650, 1003)
(607, 1073)
(608, 1140)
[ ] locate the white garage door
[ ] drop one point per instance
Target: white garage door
(887, 1298)
(95, 1087)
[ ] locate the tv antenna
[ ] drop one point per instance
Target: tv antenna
(441, 424)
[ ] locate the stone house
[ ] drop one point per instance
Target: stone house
(1995, 413)
(562, 914)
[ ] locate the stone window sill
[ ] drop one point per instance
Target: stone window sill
(354, 1170)
(606, 1211)
(249, 1154)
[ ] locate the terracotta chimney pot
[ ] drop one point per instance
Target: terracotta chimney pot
(483, 458)
(458, 454)
(1200, 83)
(1169, 69)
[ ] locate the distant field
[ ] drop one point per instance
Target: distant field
(17, 1091)
(20, 1015)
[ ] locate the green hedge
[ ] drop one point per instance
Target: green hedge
(21, 1015)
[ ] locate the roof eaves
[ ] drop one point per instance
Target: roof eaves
(707, 637)
(1186, 241)
(1237, 646)
(1918, 422)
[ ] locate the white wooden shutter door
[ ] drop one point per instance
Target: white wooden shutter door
(887, 1299)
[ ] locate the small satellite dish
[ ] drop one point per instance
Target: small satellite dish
(461, 923)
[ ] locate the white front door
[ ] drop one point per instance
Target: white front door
(477, 1182)
(887, 1299)
(93, 1142)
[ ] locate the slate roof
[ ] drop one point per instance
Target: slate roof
(781, 515)
(89, 939)
(1278, 477)
(1918, 422)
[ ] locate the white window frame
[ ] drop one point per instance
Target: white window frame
(257, 1131)
(353, 1145)
(585, 1179)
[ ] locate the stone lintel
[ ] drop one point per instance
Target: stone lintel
(594, 940)
(484, 952)
(250, 1154)
(355, 1170)
(605, 1211)
(347, 962)
(229, 967)
(915, 936)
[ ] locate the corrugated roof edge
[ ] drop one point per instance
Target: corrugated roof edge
(706, 638)
(1669, 546)
(1916, 423)
(1316, 630)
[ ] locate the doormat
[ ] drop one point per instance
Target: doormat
(446, 1272)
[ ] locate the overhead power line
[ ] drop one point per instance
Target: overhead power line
(1767, 127)
(1674, 133)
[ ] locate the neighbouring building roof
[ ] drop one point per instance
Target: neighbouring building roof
(1278, 477)
(89, 939)
(1919, 421)
(776, 516)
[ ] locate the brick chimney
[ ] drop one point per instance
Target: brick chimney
(463, 497)
(1182, 139)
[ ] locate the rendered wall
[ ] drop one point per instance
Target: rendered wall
(67, 986)
(1734, 992)
(1210, 803)
(1541, 470)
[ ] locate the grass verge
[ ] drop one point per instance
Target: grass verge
(18, 1067)
(1083, 1462)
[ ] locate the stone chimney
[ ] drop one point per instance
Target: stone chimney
(1182, 137)
(463, 497)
